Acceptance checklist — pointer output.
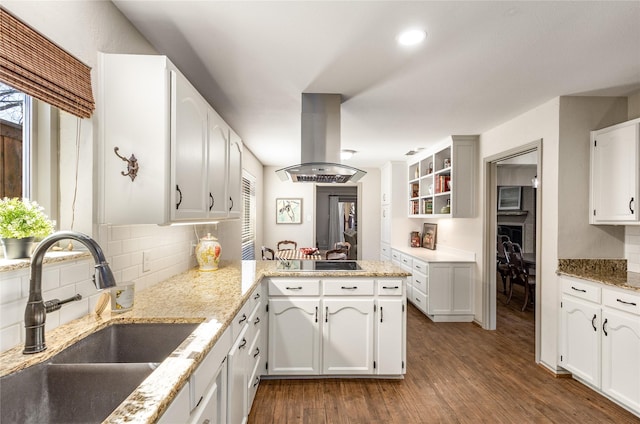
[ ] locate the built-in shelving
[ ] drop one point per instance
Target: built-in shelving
(441, 181)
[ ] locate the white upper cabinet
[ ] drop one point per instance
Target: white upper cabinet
(442, 182)
(234, 175)
(615, 174)
(187, 166)
(217, 154)
(188, 148)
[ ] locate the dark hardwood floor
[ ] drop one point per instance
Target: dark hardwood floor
(456, 373)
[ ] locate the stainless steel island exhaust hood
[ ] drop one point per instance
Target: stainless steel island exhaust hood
(320, 138)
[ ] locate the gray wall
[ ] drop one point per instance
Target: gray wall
(576, 237)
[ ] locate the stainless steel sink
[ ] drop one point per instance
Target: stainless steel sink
(87, 381)
(127, 343)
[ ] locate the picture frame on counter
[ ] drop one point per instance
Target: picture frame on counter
(289, 211)
(429, 236)
(509, 198)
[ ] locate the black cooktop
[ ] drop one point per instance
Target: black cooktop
(307, 265)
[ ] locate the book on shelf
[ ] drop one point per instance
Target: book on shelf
(442, 183)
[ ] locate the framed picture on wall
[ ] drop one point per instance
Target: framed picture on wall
(509, 198)
(288, 211)
(429, 235)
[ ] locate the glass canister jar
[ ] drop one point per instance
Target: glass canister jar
(208, 253)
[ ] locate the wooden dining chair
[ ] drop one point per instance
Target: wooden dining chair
(344, 246)
(502, 262)
(287, 245)
(519, 274)
(266, 252)
(335, 254)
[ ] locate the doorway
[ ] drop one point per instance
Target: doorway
(337, 213)
(513, 209)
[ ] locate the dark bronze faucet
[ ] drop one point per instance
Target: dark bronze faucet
(36, 310)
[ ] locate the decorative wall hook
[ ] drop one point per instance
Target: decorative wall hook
(132, 164)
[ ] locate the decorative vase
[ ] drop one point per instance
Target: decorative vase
(208, 253)
(17, 248)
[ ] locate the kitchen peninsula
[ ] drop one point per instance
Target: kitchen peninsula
(212, 299)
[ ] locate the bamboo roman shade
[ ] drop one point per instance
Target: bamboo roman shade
(36, 66)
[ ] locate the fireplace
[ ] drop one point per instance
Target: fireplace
(515, 232)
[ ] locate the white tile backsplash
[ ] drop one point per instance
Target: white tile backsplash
(632, 247)
(123, 246)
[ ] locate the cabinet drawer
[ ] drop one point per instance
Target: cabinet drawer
(420, 300)
(241, 319)
(581, 289)
(396, 256)
(622, 300)
(420, 266)
(298, 287)
(407, 261)
(419, 281)
(390, 287)
(348, 287)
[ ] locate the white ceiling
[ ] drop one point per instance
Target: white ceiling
(482, 64)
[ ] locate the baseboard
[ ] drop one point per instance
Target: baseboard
(555, 374)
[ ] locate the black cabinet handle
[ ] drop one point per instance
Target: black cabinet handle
(316, 314)
(257, 382)
(326, 314)
(257, 296)
(390, 287)
(257, 352)
(630, 202)
(593, 322)
(257, 321)
(212, 201)
(243, 319)
(626, 303)
(294, 288)
(180, 199)
(230, 207)
(349, 287)
(604, 324)
(579, 290)
(381, 315)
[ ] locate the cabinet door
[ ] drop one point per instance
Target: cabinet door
(385, 224)
(462, 287)
(620, 357)
(217, 165)
(439, 289)
(213, 406)
(580, 339)
(390, 337)
(348, 336)
(188, 148)
(237, 380)
(294, 336)
(234, 176)
(614, 175)
(178, 411)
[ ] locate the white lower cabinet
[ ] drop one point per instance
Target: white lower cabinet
(441, 290)
(294, 336)
(348, 336)
(351, 326)
(600, 338)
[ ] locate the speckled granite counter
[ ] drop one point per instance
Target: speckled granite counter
(210, 298)
(612, 272)
(50, 258)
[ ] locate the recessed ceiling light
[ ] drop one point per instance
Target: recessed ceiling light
(411, 37)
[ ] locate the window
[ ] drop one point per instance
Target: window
(13, 148)
(248, 216)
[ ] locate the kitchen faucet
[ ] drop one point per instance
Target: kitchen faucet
(36, 310)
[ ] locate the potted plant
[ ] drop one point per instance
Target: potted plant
(21, 222)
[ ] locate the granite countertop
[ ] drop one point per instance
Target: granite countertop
(612, 272)
(209, 298)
